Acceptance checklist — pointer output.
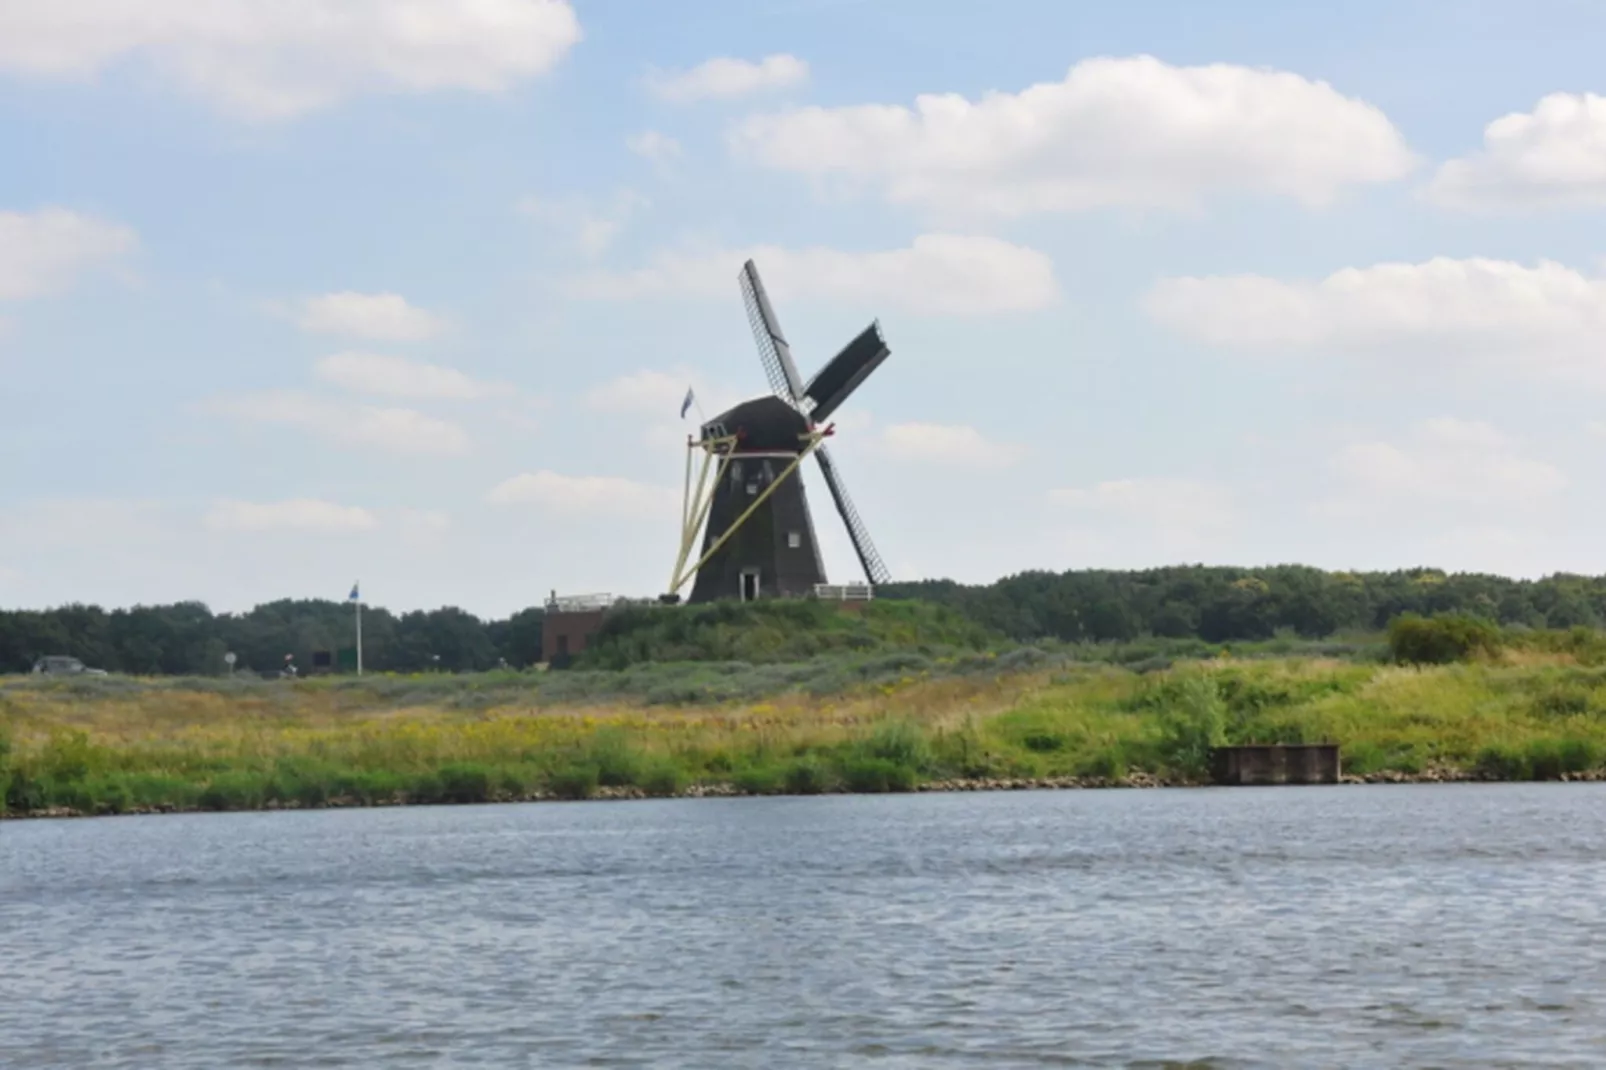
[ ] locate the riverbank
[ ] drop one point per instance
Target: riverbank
(128, 746)
(731, 791)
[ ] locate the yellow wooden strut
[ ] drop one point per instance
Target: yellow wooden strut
(813, 442)
(694, 507)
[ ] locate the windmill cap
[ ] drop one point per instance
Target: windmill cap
(762, 425)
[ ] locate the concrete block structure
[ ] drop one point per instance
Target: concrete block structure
(1276, 763)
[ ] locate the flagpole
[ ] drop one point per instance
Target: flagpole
(359, 636)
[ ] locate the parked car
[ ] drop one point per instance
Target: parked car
(62, 665)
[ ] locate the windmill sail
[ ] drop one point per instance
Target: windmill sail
(772, 347)
(874, 569)
(833, 383)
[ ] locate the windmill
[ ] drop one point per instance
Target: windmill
(759, 536)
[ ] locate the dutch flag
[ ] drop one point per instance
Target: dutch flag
(684, 405)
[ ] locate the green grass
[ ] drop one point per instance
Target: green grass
(885, 724)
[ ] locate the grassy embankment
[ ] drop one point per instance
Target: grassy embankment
(892, 717)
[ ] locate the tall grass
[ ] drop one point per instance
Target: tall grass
(886, 724)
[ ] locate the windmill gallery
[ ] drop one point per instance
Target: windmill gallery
(744, 492)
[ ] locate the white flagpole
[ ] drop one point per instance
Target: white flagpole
(359, 635)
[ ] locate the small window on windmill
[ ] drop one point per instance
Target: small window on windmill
(752, 488)
(794, 539)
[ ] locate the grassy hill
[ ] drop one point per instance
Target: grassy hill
(777, 631)
(1533, 706)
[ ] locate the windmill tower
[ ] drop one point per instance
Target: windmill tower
(758, 534)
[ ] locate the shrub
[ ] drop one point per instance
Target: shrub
(1043, 742)
(867, 775)
(1562, 700)
(1548, 759)
(899, 742)
(662, 778)
(1108, 763)
(760, 780)
(1192, 724)
(805, 776)
(465, 782)
(370, 786)
(152, 790)
(424, 789)
(233, 791)
(577, 781)
(1441, 639)
(613, 757)
(1498, 762)
(25, 790)
(68, 756)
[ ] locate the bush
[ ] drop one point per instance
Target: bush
(1043, 742)
(899, 742)
(614, 759)
(233, 791)
(578, 781)
(1549, 759)
(68, 756)
(370, 786)
(761, 780)
(1108, 763)
(1192, 724)
(153, 790)
(1497, 762)
(805, 776)
(662, 778)
(465, 782)
(1441, 639)
(874, 775)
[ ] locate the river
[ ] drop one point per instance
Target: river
(1386, 926)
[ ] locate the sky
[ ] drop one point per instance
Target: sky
(296, 293)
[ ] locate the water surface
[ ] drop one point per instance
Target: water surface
(1435, 925)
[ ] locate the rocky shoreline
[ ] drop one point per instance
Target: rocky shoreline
(1438, 775)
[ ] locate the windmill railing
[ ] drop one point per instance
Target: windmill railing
(844, 592)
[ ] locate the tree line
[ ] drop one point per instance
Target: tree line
(188, 639)
(1215, 604)
(1220, 604)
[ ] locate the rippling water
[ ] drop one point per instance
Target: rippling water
(1454, 925)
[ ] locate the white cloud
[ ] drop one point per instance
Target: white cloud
(655, 392)
(1116, 131)
(656, 148)
(1444, 462)
(1170, 505)
(948, 274)
(373, 373)
(394, 430)
(43, 252)
(583, 495)
(1546, 317)
(724, 78)
(589, 227)
(384, 317)
(274, 59)
(949, 445)
(644, 391)
(299, 514)
(1554, 155)
(424, 527)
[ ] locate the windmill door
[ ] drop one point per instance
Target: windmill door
(749, 584)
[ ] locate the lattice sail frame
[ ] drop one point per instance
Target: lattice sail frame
(775, 354)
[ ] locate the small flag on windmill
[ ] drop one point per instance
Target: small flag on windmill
(684, 405)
